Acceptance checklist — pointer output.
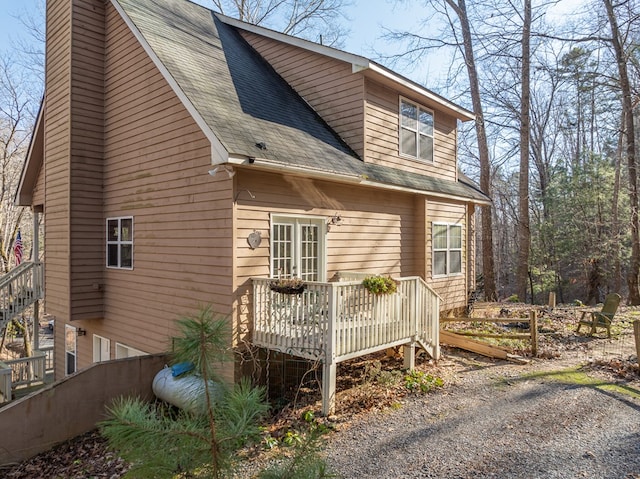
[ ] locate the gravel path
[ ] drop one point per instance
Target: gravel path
(498, 423)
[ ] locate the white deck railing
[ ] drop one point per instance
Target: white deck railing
(333, 322)
(19, 289)
(22, 372)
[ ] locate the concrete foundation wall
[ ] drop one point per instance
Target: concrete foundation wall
(71, 406)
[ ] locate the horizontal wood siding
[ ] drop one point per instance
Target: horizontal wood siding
(327, 84)
(382, 136)
(377, 233)
(87, 145)
(452, 289)
(57, 166)
(155, 170)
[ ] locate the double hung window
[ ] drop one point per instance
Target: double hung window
(447, 249)
(416, 131)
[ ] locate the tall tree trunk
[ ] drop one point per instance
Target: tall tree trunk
(488, 266)
(627, 109)
(524, 233)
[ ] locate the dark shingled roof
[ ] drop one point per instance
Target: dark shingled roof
(245, 102)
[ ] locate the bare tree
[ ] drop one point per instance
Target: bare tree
(315, 20)
(460, 9)
(621, 56)
(524, 233)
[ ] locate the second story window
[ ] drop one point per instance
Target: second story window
(416, 131)
(120, 243)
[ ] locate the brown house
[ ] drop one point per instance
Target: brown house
(182, 158)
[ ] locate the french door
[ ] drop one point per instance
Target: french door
(298, 248)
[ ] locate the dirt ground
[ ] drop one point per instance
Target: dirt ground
(376, 382)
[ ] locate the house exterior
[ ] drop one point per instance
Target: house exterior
(179, 153)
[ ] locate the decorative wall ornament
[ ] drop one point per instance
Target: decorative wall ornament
(254, 239)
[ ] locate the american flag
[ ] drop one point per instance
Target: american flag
(18, 249)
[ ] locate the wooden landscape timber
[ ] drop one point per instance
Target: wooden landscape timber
(460, 339)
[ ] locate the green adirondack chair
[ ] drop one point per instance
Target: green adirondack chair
(601, 319)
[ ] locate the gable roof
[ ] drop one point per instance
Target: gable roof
(257, 124)
(215, 71)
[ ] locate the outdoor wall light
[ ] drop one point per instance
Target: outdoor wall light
(335, 220)
(81, 332)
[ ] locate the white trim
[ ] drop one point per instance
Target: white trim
(358, 63)
(463, 113)
(97, 352)
(68, 329)
(219, 153)
(131, 352)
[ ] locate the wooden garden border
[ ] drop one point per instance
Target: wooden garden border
(532, 335)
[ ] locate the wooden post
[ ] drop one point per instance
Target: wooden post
(636, 333)
(552, 300)
(329, 368)
(533, 329)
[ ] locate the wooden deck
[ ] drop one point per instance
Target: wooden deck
(334, 322)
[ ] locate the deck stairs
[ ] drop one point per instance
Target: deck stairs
(20, 288)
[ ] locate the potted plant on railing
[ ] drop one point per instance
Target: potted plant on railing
(288, 285)
(379, 285)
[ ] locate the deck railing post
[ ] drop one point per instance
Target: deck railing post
(329, 365)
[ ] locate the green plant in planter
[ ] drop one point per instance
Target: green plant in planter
(380, 284)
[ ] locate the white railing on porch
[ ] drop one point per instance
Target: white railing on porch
(22, 372)
(20, 288)
(333, 322)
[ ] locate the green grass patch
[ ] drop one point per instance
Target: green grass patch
(579, 377)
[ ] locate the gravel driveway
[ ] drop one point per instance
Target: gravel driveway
(499, 421)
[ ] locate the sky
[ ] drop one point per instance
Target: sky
(368, 21)
(368, 17)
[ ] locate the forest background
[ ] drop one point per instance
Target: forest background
(555, 86)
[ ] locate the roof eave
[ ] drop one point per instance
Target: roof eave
(277, 167)
(33, 162)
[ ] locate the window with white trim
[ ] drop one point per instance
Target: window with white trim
(120, 242)
(416, 131)
(70, 349)
(123, 351)
(447, 249)
(101, 349)
(297, 248)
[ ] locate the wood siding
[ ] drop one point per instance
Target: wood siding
(452, 289)
(377, 233)
(382, 136)
(56, 166)
(327, 84)
(155, 170)
(87, 143)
